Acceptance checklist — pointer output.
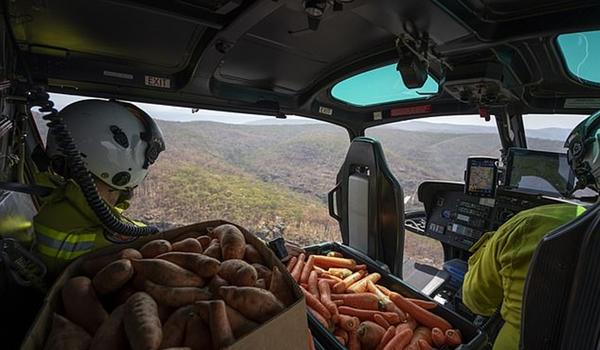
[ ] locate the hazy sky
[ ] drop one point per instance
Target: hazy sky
(185, 114)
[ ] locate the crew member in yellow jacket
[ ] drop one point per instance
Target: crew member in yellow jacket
(118, 143)
(498, 267)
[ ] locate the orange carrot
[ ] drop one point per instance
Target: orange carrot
(438, 337)
(341, 333)
(331, 283)
(312, 284)
(381, 321)
(348, 323)
(359, 267)
(313, 302)
(341, 340)
(370, 334)
(361, 286)
(453, 337)
(421, 315)
(330, 261)
(307, 269)
(335, 254)
(311, 342)
(353, 342)
(425, 304)
(365, 301)
(322, 320)
(339, 272)
(367, 315)
(400, 340)
(325, 295)
(423, 345)
(338, 302)
(409, 324)
(384, 290)
(327, 275)
(421, 333)
(388, 305)
(318, 269)
(389, 334)
(297, 271)
(292, 263)
(348, 281)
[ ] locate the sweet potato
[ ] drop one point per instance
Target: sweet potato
(111, 334)
(240, 325)
(370, 334)
(220, 328)
(82, 305)
(166, 273)
(214, 250)
(204, 241)
(141, 322)
(252, 256)
(91, 266)
(197, 334)
(173, 330)
(66, 335)
(233, 243)
(260, 283)
(238, 273)
(176, 296)
(263, 272)
(421, 315)
(155, 248)
(190, 245)
(200, 264)
(280, 288)
(113, 276)
(215, 284)
(254, 303)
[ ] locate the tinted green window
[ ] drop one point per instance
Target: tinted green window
(581, 52)
(380, 85)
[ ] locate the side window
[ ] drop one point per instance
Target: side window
(267, 174)
(432, 149)
(549, 132)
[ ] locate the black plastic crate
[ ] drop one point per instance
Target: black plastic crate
(474, 338)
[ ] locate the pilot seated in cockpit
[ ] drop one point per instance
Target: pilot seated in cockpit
(500, 261)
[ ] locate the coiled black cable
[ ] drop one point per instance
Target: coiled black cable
(38, 97)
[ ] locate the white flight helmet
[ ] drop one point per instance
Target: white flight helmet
(117, 140)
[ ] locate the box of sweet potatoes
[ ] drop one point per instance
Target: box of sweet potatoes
(212, 285)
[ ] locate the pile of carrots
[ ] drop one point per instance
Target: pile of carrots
(202, 291)
(363, 315)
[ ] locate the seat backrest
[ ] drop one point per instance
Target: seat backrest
(368, 203)
(556, 275)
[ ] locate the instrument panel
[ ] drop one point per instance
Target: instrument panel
(458, 219)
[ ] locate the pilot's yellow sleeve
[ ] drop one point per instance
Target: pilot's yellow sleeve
(482, 287)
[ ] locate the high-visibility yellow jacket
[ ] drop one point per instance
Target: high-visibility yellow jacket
(66, 227)
(498, 268)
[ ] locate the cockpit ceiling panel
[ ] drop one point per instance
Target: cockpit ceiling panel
(87, 28)
(508, 9)
(282, 51)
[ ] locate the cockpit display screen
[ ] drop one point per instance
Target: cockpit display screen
(481, 176)
(539, 172)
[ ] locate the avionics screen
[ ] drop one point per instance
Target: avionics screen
(481, 177)
(539, 172)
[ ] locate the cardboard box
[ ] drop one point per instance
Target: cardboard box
(287, 330)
